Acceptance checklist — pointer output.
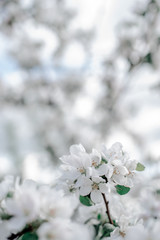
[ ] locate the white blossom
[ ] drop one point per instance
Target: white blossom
(94, 186)
(53, 204)
(120, 169)
(55, 230)
(6, 186)
(76, 164)
(23, 206)
(61, 229)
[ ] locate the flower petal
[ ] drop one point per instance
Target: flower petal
(96, 157)
(103, 187)
(96, 196)
(103, 169)
(86, 188)
(109, 171)
(122, 170)
(86, 160)
(76, 149)
(120, 179)
(97, 179)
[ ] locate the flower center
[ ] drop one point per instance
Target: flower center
(94, 164)
(95, 186)
(81, 170)
(26, 212)
(50, 236)
(52, 212)
(122, 233)
(116, 171)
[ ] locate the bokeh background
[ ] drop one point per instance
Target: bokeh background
(72, 72)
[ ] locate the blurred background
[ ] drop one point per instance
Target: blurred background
(74, 72)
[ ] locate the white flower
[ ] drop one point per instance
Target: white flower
(115, 152)
(120, 169)
(55, 230)
(150, 203)
(154, 231)
(95, 158)
(23, 206)
(6, 186)
(4, 231)
(99, 168)
(77, 158)
(84, 185)
(76, 164)
(68, 186)
(94, 187)
(137, 232)
(60, 229)
(53, 204)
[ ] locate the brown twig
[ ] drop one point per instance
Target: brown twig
(30, 228)
(107, 208)
(19, 234)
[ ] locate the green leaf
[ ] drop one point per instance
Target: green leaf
(140, 167)
(158, 191)
(148, 58)
(107, 229)
(97, 229)
(99, 216)
(5, 216)
(9, 195)
(122, 189)
(103, 160)
(85, 200)
(30, 236)
(115, 223)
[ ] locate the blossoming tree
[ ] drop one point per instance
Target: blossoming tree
(88, 200)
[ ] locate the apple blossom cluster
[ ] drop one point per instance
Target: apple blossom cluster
(94, 174)
(96, 177)
(30, 211)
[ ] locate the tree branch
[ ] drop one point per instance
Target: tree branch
(19, 234)
(107, 208)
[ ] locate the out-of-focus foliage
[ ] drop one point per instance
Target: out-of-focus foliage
(60, 99)
(39, 112)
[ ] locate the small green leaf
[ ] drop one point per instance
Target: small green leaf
(99, 216)
(30, 236)
(85, 200)
(122, 189)
(9, 195)
(97, 229)
(148, 58)
(158, 191)
(107, 229)
(140, 167)
(115, 223)
(5, 216)
(103, 160)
